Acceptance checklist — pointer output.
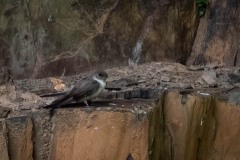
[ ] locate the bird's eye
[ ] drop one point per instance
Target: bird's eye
(100, 74)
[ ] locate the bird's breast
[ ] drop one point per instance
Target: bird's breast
(101, 87)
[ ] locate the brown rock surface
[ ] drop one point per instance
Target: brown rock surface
(196, 123)
(179, 126)
(99, 134)
(227, 135)
(20, 144)
(55, 37)
(191, 125)
(217, 35)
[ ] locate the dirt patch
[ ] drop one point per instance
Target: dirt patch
(13, 99)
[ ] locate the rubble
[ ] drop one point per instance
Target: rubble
(153, 104)
(210, 77)
(126, 82)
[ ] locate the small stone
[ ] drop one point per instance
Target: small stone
(185, 86)
(4, 111)
(142, 81)
(209, 77)
(165, 79)
(195, 68)
(199, 81)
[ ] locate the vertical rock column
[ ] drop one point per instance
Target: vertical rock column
(3, 141)
(16, 135)
(189, 126)
(99, 134)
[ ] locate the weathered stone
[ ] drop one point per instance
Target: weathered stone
(165, 79)
(185, 86)
(4, 111)
(227, 132)
(80, 35)
(108, 95)
(112, 86)
(217, 36)
(20, 138)
(209, 77)
(5, 75)
(3, 141)
(195, 68)
(84, 134)
(42, 134)
(234, 97)
(187, 124)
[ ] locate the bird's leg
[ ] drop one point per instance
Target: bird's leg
(86, 103)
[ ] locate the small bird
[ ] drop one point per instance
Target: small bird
(84, 90)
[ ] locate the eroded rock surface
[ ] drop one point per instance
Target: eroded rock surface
(217, 36)
(187, 127)
(49, 38)
(190, 120)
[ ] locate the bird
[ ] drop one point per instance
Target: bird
(84, 90)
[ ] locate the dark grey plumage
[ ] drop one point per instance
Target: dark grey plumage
(84, 90)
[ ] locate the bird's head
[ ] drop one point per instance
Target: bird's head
(101, 75)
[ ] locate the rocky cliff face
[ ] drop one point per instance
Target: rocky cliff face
(217, 36)
(163, 111)
(39, 39)
(179, 127)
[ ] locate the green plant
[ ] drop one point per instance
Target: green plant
(202, 5)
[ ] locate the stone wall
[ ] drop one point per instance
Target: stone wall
(217, 35)
(49, 38)
(177, 127)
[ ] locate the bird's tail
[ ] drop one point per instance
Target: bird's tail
(58, 102)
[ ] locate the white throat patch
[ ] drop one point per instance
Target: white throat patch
(100, 81)
(102, 84)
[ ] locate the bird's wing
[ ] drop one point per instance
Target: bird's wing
(59, 101)
(84, 89)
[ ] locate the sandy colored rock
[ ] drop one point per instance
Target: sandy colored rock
(190, 124)
(179, 126)
(20, 138)
(216, 40)
(227, 135)
(99, 134)
(165, 79)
